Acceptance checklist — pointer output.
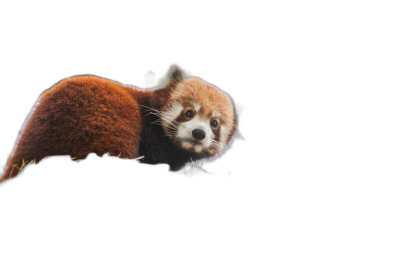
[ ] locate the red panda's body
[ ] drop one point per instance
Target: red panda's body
(78, 116)
(86, 114)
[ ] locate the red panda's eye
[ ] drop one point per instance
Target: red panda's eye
(189, 113)
(214, 123)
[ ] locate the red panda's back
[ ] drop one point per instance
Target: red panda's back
(77, 116)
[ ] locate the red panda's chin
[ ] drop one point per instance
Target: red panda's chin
(192, 145)
(198, 147)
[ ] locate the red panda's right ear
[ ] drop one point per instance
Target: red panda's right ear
(175, 74)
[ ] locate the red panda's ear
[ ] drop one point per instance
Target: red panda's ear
(175, 74)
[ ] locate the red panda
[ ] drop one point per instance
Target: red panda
(185, 120)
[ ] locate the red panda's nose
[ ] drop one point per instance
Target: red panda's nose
(198, 134)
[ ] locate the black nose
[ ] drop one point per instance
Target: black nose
(198, 134)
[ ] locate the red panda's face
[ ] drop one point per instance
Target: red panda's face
(199, 117)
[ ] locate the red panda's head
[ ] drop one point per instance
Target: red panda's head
(197, 116)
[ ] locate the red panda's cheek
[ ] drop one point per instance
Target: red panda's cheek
(170, 129)
(217, 133)
(223, 136)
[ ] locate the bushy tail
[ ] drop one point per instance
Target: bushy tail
(14, 167)
(2, 173)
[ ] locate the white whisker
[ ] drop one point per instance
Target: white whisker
(164, 116)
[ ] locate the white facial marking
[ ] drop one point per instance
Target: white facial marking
(224, 137)
(185, 133)
(171, 114)
(216, 113)
(196, 106)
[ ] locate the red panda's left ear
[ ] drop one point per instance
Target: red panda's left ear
(175, 74)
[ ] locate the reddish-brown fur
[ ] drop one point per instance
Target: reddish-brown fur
(94, 114)
(86, 114)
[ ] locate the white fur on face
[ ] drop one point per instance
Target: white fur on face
(185, 134)
(182, 132)
(224, 137)
(216, 113)
(171, 114)
(196, 106)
